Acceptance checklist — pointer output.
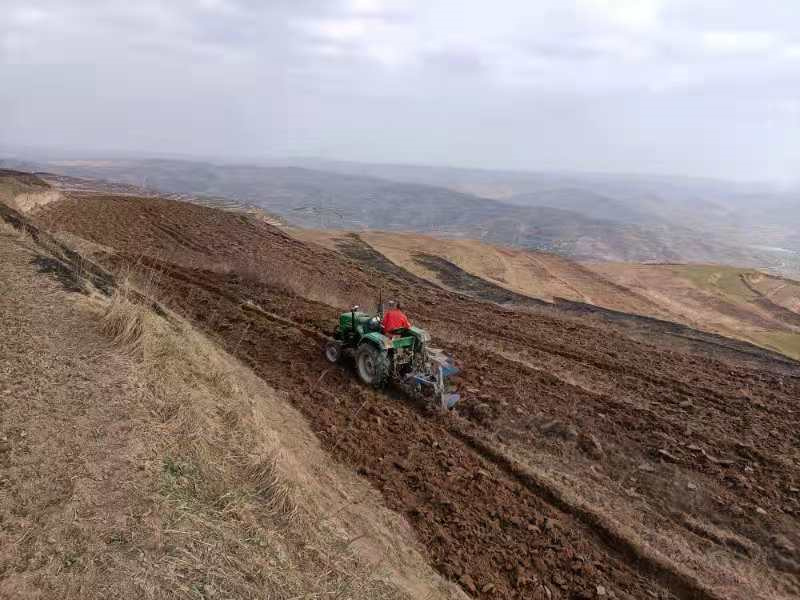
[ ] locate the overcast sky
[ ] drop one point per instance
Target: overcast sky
(699, 87)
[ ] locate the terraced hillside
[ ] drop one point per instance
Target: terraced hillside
(738, 303)
(742, 303)
(534, 274)
(583, 462)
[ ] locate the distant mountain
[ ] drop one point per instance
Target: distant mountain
(588, 203)
(546, 212)
(760, 219)
(647, 198)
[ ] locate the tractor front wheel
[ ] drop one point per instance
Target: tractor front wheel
(373, 365)
(333, 351)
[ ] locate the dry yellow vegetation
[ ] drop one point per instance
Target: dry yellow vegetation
(25, 192)
(734, 302)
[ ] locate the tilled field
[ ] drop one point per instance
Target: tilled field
(582, 463)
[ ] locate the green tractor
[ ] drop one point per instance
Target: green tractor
(403, 357)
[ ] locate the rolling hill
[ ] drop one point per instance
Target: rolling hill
(761, 220)
(537, 275)
(674, 292)
(582, 227)
(684, 201)
(735, 302)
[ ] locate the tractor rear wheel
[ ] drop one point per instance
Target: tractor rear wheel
(373, 365)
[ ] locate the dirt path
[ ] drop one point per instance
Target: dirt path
(68, 423)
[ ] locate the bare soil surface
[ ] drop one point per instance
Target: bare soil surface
(450, 275)
(642, 469)
(456, 278)
(704, 297)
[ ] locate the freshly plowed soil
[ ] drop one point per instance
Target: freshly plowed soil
(695, 453)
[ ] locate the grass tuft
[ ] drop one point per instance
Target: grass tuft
(124, 320)
(273, 488)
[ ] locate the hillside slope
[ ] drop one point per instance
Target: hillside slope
(581, 460)
(534, 274)
(139, 460)
(766, 314)
(736, 302)
(25, 192)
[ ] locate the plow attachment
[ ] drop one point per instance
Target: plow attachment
(436, 383)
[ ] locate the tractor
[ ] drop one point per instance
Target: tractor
(401, 357)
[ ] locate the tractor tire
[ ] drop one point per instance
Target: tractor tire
(372, 365)
(333, 351)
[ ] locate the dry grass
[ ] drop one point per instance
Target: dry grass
(86, 248)
(26, 193)
(9, 229)
(124, 321)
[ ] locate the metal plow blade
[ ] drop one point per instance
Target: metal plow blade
(450, 400)
(444, 368)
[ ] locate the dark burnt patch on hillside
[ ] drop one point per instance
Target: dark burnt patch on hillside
(459, 280)
(676, 336)
(356, 249)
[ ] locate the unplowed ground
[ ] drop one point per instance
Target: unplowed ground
(581, 463)
(742, 303)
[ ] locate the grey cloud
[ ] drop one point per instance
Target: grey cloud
(636, 85)
(456, 61)
(562, 49)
